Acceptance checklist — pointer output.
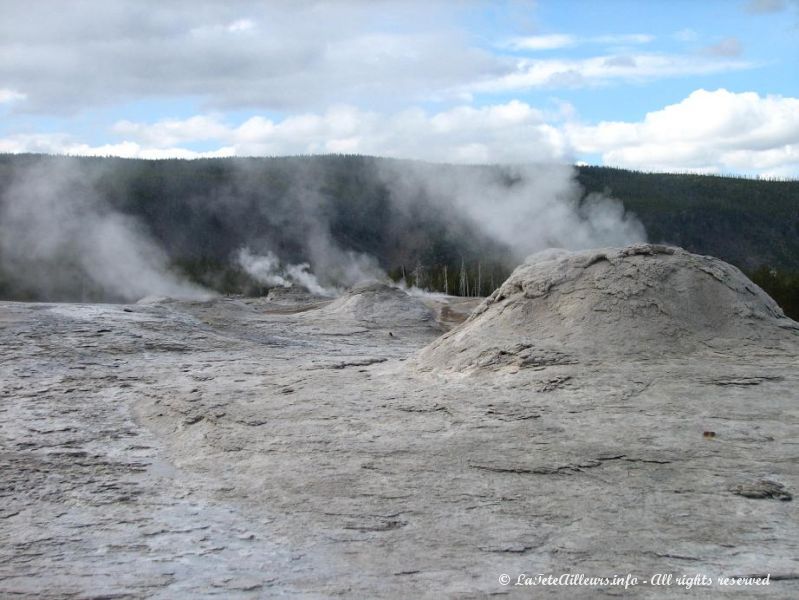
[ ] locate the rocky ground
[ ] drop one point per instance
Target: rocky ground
(289, 446)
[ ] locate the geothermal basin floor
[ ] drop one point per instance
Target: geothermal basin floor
(240, 448)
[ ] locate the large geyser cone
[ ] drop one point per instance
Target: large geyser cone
(641, 301)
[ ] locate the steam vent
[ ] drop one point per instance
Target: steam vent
(639, 302)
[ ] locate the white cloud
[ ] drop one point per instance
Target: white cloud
(542, 42)
(294, 56)
(685, 35)
(59, 143)
(221, 29)
(554, 41)
(597, 70)
(241, 25)
(134, 150)
(172, 132)
(631, 38)
(269, 55)
(709, 131)
(512, 132)
(7, 95)
(44, 143)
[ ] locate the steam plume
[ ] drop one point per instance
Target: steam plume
(526, 207)
(268, 271)
(322, 223)
(61, 242)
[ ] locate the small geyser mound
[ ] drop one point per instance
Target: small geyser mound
(381, 304)
(642, 301)
(293, 295)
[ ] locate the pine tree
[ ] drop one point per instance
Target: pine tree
(464, 291)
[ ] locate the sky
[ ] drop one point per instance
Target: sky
(708, 86)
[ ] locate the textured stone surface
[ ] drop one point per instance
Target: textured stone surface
(380, 304)
(637, 302)
(248, 449)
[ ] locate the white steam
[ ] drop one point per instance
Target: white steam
(339, 267)
(61, 242)
(344, 267)
(526, 207)
(267, 270)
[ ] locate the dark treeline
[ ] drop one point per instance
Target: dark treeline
(751, 223)
(782, 286)
(747, 222)
(202, 211)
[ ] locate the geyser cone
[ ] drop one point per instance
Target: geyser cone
(376, 302)
(641, 301)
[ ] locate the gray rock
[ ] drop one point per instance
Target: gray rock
(229, 449)
(762, 488)
(643, 301)
(380, 304)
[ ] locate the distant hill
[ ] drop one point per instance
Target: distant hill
(202, 211)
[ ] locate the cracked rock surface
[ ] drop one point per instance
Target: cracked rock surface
(249, 448)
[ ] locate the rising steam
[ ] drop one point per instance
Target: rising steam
(344, 269)
(525, 207)
(267, 270)
(59, 241)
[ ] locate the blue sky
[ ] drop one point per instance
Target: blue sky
(704, 86)
(767, 40)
